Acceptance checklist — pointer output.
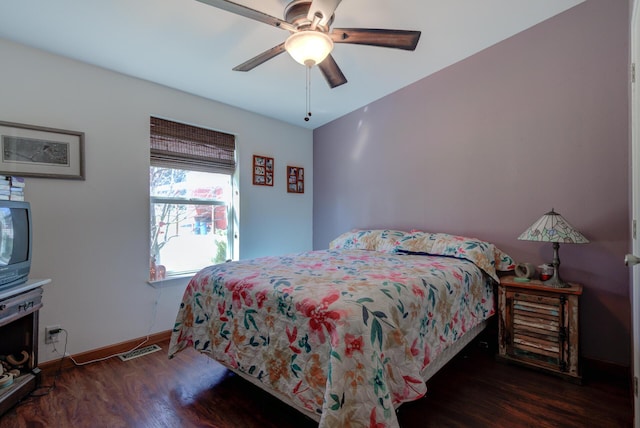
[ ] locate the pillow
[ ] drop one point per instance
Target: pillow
(504, 262)
(369, 239)
(417, 241)
(483, 254)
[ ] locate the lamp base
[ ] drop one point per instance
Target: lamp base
(555, 280)
(556, 283)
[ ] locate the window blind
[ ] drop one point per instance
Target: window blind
(181, 146)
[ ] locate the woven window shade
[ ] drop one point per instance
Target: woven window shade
(180, 146)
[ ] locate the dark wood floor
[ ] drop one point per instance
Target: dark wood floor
(193, 391)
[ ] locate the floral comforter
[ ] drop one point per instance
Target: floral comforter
(343, 333)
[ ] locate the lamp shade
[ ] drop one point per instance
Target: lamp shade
(552, 227)
(309, 47)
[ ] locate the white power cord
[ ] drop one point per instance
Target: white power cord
(153, 323)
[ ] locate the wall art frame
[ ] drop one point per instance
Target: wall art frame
(295, 179)
(263, 167)
(38, 151)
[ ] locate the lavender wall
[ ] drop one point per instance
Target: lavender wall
(486, 146)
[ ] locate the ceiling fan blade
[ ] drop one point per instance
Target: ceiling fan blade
(247, 12)
(331, 72)
(259, 59)
(398, 39)
(323, 9)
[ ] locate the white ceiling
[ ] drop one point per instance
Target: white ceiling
(191, 46)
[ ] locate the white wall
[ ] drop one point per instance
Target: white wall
(91, 237)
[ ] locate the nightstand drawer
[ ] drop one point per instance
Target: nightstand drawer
(20, 305)
(536, 303)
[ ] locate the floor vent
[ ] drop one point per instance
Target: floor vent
(139, 352)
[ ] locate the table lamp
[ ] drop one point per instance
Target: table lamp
(552, 227)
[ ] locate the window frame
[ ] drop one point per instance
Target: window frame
(180, 146)
(230, 235)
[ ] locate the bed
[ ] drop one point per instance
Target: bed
(346, 334)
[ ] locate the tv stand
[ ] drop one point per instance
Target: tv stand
(19, 312)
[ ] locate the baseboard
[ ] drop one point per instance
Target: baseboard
(597, 369)
(50, 367)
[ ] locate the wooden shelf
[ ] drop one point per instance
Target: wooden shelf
(20, 387)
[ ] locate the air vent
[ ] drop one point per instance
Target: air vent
(139, 352)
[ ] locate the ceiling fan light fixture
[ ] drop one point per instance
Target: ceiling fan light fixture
(309, 47)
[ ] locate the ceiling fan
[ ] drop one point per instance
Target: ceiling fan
(311, 40)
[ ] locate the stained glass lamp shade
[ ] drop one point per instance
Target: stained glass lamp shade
(552, 227)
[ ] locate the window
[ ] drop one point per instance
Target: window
(191, 195)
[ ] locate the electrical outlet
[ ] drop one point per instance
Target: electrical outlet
(52, 334)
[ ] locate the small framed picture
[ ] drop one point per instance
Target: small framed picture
(262, 170)
(295, 179)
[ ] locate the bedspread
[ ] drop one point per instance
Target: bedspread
(342, 333)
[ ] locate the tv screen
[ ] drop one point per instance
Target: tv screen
(15, 242)
(13, 224)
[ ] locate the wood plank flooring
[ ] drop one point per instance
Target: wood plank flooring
(191, 390)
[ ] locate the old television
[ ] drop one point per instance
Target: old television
(15, 243)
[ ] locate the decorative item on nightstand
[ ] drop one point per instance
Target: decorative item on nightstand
(552, 227)
(524, 272)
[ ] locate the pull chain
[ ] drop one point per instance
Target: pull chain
(308, 95)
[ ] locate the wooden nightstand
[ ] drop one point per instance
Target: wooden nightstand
(538, 326)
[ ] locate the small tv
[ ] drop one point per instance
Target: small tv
(15, 243)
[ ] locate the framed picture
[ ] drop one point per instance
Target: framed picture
(295, 179)
(36, 151)
(262, 170)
